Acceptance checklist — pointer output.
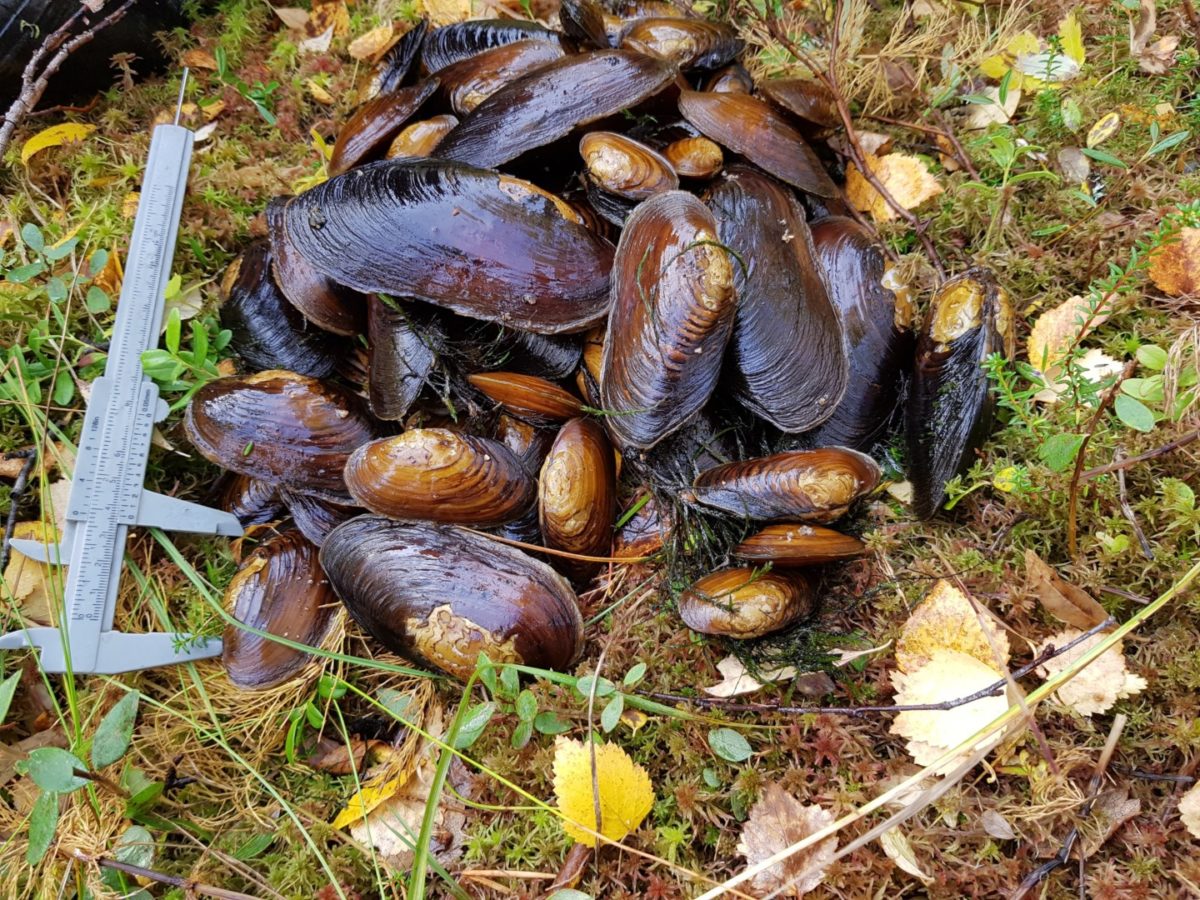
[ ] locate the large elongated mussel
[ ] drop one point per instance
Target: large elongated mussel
(470, 81)
(367, 134)
(443, 596)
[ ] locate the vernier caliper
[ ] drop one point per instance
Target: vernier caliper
(107, 493)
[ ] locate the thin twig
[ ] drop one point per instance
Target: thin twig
(186, 884)
(1123, 499)
(14, 500)
(1119, 464)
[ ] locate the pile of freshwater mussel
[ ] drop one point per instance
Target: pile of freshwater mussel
(588, 289)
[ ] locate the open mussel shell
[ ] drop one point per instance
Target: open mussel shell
(266, 331)
(803, 98)
(470, 81)
(577, 490)
(645, 533)
(673, 310)
(280, 427)
(625, 167)
(792, 544)
(950, 408)
(479, 243)
(746, 603)
(550, 102)
(367, 133)
(253, 502)
(695, 157)
(528, 396)
(316, 517)
(280, 589)
(443, 596)
(462, 40)
(437, 475)
(689, 43)
(393, 68)
(747, 125)
(583, 22)
(404, 342)
(321, 300)
(529, 443)
(421, 138)
(732, 79)
(801, 485)
(788, 350)
(880, 340)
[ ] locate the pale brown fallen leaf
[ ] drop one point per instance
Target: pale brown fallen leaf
(1059, 597)
(11, 468)
(326, 14)
(198, 59)
(1111, 810)
(370, 45)
(1059, 329)
(318, 44)
(292, 16)
(777, 821)
(1074, 166)
(843, 657)
(31, 584)
(1159, 56)
(997, 112)
(735, 679)
(1098, 686)
(336, 756)
(947, 620)
(445, 12)
(1189, 810)
(997, 826)
(1141, 30)
(900, 851)
(905, 178)
(1175, 266)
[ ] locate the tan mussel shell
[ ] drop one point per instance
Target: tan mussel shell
(577, 490)
(792, 544)
(746, 603)
(625, 167)
(528, 396)
(421, 138)
(695, 157)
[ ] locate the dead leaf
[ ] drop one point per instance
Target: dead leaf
(326, 14)
(204, 132)
(368, 46)
(318, 93)
(1059, 329)
(1159, 56)
(777, 821)
(997, 826)
(198, 59)
(947, 620)
(1093, 366)
(1189, 810)
(318, 44)
(1059, 597)
(1098, 687)
(31, 584)
(1106, 126)
(1111, 810)
(445, 12)
(1074, 166)
(736, 680)
(904, 177)
(845, 657)
(335, 756)
(901, 490)
(995, 113)
(211, 110)
(129, 204)
(11, 468)
(110, 278)
(292, 16)
(1142, 30)
(1175, 266)
(633, 719)
(900, 851)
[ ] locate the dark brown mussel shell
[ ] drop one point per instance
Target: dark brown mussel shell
(443, 596)
(695, 157)
(267, 331)
(437, 475)
(528, 396)
(529, 443)
(322, 301)
(577, 490)
(879, 338)
(689, 43)
(462, 40)
(610, 207)
(625, 167)
(792, 544)
(315, 517)
(673, 310)
(479, 243)
(583, 22)
(253, 502)
(282, 428)
(469, 82)
(393, 68)
(801, 485)
(280, 589)
(550, 102)
(421, 138)
(645, 533)
(788, 350)
(485, 346)
(674, 463)
(746, 603)
(747, 125)
(730, 80)
(587, 379)
(367, 133)
(950, 408)
(403, 345)
(803, 98)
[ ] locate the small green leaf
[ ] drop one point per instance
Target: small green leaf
(174, 330)
(526, 706)
(604, 687)
(1134, 413)
(1169, 142)
(487, 672)
(97, 261)
(142, 801)
(510, 682)
(199, 342)
(135, 846)
(1059, 450)
(8, 687)
(711, 778)
(729, 745)
(569, 894)
(394, 701)
(96, 300)
(549, 723)
(612, 713)
(1101, 156)
(314, 716)
(521, 735)
(64, 388)
(330, 686)
(42, 823)
(1148, 390)
(115, 731)
(636, 674)
(32, 236)
(473, 723)
(56, 290)
(61, 251)
(1072, 115)
(22, 274)
(1152, 357)
(254, 847)
(53, 769)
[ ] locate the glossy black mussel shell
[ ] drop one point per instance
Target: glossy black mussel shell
(950, 408)
(577, 490)
(470, 81)
(880, 340)
(583, 22)
(392, 69)
(527, 396)
(799, 485)
(281, 428)
(367, 134)
(281, 589)
(404, 341)
(477, 242)
(438, 475)
(485, 346)
(788, 353)
(625, 167)
(442, 596)
(673, 309)
(267, 331)
(421, 138)
(804, 98)
(462, 40)
(751, 127)
(315, 517)
(746, 603)
(550, 102)
(689, 43)
(253, 502)
(795, 544)
(674, 463)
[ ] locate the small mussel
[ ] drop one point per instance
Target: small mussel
(801, 485)
(625, 167)
(367, 133)
(528, 396)
(463, 40)
(689, 43)
(746, 603)
(421, 138)
(792, 544)
(672, 314)
(279, 588)
(282, 428)
(950, 409)
(443, 595)
(437, 475)
(695, 157)
(529, 443)
(583, 22)
(730, 80)
(577, 490)
(469, 82)
(646, 532)
(392, 70)
(404, 343)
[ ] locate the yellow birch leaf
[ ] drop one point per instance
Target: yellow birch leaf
(996, 66)
(1175, 266)
(54, 136)
(1071, 35)
(624, 788)
(371, 44)
(946, 620)
(1059, 329)
(905, 178)
(367, 798)
(445, 12)
(1106, 126)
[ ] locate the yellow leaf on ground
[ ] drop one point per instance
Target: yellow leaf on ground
(1059, 597)
(1189, 810)
(947, 620)
(1070, 35)
(624, 788)
(198, 59)
(900, 851)
(29, 583)
(1000, 64)
(54, 136)
(327, 14)
(904, 177)
(371, 44)
(318, 93)
(777, 821)
(1106, 126)
(1175, 266)
(1058, 330)
(367, 798)
(445, 12)
(1098, 687)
